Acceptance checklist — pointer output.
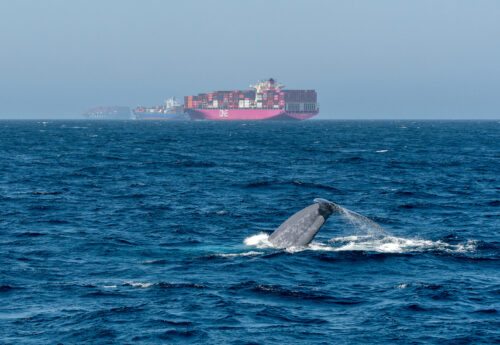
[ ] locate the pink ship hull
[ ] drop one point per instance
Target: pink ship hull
(247, 114)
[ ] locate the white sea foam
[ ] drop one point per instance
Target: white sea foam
(385, 244)
(316, 246)
(260, 241)
(147, 262)
(140, 285)
(382, 151)
(232, 255)
(392, 244)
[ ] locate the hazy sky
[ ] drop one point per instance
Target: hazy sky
(367, 59)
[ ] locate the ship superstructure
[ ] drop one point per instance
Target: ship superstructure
(171, 110)
(267, 101)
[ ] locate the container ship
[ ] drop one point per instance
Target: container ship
(171, 110)
(108, 113)
(267, 101)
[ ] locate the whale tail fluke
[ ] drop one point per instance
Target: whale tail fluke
(300, 228)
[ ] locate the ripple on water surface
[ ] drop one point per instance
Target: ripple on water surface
(154, 232)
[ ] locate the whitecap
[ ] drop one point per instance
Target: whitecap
(316, 246)
(146, 262)
(232, 255)
(140, 285)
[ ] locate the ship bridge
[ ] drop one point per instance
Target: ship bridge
(263, 86)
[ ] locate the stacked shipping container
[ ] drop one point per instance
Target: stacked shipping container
(266, 96)
(249, 99)
(300, 100)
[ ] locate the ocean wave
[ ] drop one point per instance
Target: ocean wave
(31, 234)
(140, 285)
(103, 294)
(233, 255)
(316, 185)
(173, 334)
(192, 164)
(229, 255)
(164, 285)
(296, 183)
(153, 262)
(297, 292)
(7, 288)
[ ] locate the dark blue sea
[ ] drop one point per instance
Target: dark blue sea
(156, 232)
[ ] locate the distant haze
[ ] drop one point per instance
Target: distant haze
(388, 59)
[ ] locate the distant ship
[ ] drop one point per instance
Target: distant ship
(268, 101)
(171, 110)
(108, 113)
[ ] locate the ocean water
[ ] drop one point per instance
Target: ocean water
(156, 232)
